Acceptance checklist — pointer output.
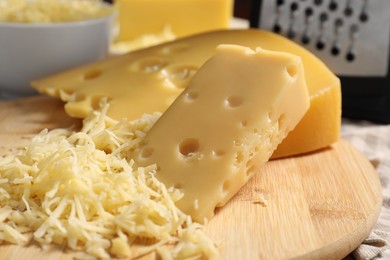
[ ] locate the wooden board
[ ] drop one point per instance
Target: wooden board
(317, 206)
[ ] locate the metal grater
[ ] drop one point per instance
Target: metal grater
(351, 36)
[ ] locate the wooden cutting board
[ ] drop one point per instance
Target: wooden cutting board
(317, 206)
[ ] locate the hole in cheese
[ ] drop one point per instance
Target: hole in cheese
(150, 65)
(93, 74)
(281, 120)
(189, 147)
(226, 186)
(234, 101)
(250, 167)
(237, 142)
(239, 158)
(95, 101)
(175, 48)
(218, 152)
(80, 96)
(179, 76)
(68, 91)
(244, 123)
(184, 72)
(190, 96)
(178, 185)
(292, 70)
(147, 152)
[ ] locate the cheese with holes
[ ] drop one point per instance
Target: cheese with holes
(139, 17)
(149, 80)
(226, 124)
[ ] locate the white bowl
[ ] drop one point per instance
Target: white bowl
(33, 51)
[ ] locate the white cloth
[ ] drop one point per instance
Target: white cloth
(373, 140)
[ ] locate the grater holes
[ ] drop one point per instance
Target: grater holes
(294, 6)
(338, 23)
(323, 17)
(350, 56)
(320, 45)
(333, 5)
(291, 33)
(335, 50)
(305, 39)
(323, 26)
(277, 28)
(348, 11)
(309, 11)
(363, 17)
(354, 29)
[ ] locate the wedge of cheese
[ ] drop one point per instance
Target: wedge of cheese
(225, 125)
(139, 17)
(149, 80)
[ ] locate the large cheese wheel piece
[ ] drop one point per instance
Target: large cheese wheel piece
(149, 80)
(225, 125)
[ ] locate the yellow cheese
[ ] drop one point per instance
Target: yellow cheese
(143, 41)
(139, 17)
(225, 125)
(149, 80)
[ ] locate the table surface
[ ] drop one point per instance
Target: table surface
(373, 140)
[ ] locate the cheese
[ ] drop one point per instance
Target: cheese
(77, 189)
(143, 41)
(225, 125)
(149, 80)
(139, 17)
(51, 11)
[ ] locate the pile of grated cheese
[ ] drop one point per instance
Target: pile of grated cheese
(82, 189)
(52, 11)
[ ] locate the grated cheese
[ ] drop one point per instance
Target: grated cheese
(51, 11)
(82, 189)
(260, 199)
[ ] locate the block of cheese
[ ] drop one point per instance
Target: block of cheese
(139, 17)
(225, 125)
(149, 80)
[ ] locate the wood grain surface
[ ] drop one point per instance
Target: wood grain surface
(316, 206)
